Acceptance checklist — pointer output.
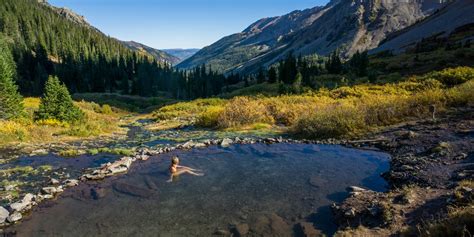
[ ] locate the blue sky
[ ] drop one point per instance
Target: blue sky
(178, 23)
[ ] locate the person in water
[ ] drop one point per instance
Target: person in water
(177, 170)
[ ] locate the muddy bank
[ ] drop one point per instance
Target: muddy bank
(429, 159)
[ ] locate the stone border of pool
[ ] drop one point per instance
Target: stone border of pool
(14, 212)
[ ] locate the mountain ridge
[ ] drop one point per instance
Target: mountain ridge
(348, 26)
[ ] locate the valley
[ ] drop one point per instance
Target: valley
(351, 119)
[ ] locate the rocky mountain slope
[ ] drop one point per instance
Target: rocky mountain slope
(182, 54)
(346, 25)
(457, 14)
(159, 55)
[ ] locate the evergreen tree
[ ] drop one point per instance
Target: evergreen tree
(261, 76)
(57, 103)
(272, 75)
(11, 105)
(334, 63)
(359, 63)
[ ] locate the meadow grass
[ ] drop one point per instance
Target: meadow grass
(342, 112)
(100, 120)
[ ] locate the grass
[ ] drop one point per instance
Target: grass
(125, 102)
(459, 222)
(114, 151)
(100, 120)
(342, 112)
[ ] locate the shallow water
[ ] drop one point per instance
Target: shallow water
(254, 184)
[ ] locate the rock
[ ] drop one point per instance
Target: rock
(10, 187)
(16, 216)
(48, 190)
(46, 196)
(132, 190)
(226, 142)
(241, 230)
(4, 214)
(307, 230)
(350, 213)
(97, 193)
(114, 170)
(54, 182)
(272, 225)
(221, 232)
(317, 181)
(24, 204)
(93, 176)
(188, 145)
(355, 189)
(407, 168)
(71, 182)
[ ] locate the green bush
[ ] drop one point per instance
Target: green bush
(57, 103)
(452, 76)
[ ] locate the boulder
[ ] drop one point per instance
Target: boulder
(114, 170)
(54, 181)
(272, 225)
(16, 216)
(226, 142)
(71, 182)
(48, 190)
(24, 204)
(4, 214)
(132, 190)
(355, 189)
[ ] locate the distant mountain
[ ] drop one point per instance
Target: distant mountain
(182, 54)
(159, 55)
(441, 23)
(346, 25)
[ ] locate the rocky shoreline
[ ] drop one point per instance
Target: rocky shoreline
(429, 160)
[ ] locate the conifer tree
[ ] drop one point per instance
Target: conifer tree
(11, 105)
(57, 103)
(272, 75)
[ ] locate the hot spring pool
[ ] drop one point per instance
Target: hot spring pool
(268, 187)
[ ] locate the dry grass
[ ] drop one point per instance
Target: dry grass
(342, 112)
(100, 120)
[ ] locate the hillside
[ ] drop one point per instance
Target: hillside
(80, 20)
(344, 25)
(458, 14)
(159, 55)
(49, 41)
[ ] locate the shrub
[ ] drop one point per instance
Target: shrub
(11, 104)
(106, 109)
(52, 123)
(243, 111)
(336, 120)
(210, 117)
(452, 76)
(56, 103)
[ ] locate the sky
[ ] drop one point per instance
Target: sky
(165, 24)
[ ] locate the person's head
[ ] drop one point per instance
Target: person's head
(175, 160)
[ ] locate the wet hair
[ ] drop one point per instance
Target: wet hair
(175, 160)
